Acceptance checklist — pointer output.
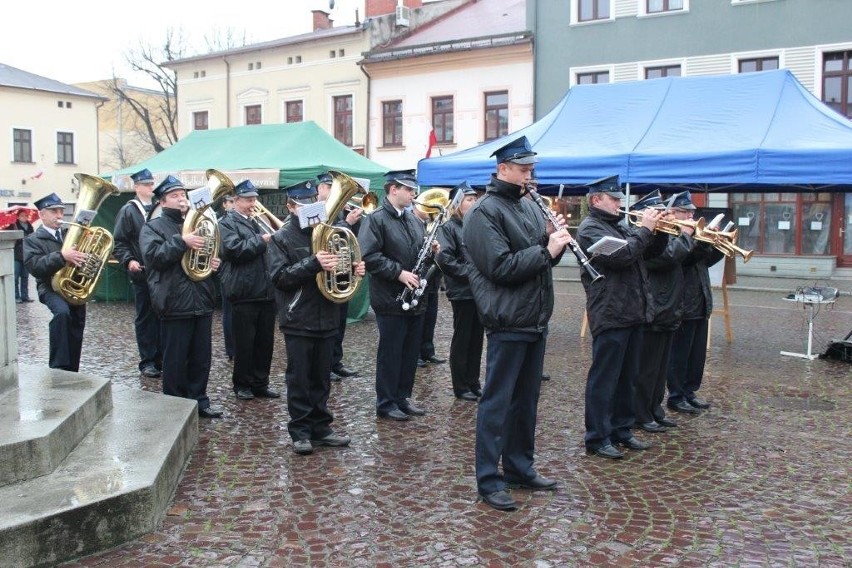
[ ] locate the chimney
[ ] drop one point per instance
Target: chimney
(321, 20)
(383, 7)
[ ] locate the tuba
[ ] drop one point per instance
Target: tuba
(77, 283)
(197, 264)
(340, 284)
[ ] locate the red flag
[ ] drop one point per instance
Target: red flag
(37, 176)
(433, 141)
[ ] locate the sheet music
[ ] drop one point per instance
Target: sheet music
(606, 246)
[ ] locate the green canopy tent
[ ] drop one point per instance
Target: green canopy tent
(298, 151)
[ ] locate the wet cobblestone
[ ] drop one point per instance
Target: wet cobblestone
(761, 479)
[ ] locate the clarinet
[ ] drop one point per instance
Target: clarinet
(424, 268)
(575, 248)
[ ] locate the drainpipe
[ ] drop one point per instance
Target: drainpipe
(369, 102)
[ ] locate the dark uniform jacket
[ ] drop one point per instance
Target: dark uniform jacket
(665, 275)
(42, 257)
(173, 294)
(390, 244)
(28, 230)
(452, 260)
(505, 238)
(128, 225)
(245, 269)
(302, 309)
(623, 297)
(697, 295)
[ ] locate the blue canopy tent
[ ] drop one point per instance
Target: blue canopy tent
(722, 133)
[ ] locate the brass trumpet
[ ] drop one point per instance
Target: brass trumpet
(724, 242)
(670, 226)
(268, 222)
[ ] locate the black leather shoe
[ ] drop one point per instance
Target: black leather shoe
(303, 447)
(477, 391)
(333, 440)
(654, 427)
(537, 483)
(435, 360)
(28, 300)
(683, 406)
(411, 409)
(266, 392)
(345, 372)
(545, 377)
(467, 395)
(245, 394)
(151, 372)
(698, 403)
(210, 412)
(608, 451)
(393, 415)
(421, 363)
(634, 443)
(667, 423)
(500, 500)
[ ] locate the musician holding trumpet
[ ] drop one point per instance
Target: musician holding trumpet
(512, 251)
(618, 306)
(391, 243)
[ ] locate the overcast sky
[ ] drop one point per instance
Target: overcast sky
(85, 41)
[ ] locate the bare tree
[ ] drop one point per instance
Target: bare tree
(157, 115)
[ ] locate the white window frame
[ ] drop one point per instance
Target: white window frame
(644, 65)
(12, 130)
(75, 143)
(574, 71)
(302, 100)
(743, 2)
(643, 10)
(575, 14)
(736, 57)
(819, 55)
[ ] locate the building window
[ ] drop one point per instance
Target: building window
(60, 104)
(64, 148)
(332, 54)
(496, 114)
(257, 65)
(251, 66)
(289, 61)
(253, 114)
(589, 10)
(392, 123)
(22, 140)
(294, 111)
(758, 64)
(769, 223)
(442, 119)
(200, 120)
(663, 71)
(341, 52)
(298, 59)
(67, 104)
(195, 74)
(657, 6)
(836, 82)
(203, 73)
(593, 78)
(343, 119)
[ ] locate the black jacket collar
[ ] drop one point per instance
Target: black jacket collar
(504, 188)
(604, 216)
(173, 214)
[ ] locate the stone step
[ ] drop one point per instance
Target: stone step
(45, 417)
(114, 486)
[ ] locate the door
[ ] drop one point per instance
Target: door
(844, 235)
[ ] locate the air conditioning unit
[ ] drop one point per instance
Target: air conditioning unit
(403, 13)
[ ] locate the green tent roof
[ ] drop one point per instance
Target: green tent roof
(300, 150)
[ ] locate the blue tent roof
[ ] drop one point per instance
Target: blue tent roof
(718, 132)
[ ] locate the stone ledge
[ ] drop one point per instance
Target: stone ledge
(116, 485)
(45, 418)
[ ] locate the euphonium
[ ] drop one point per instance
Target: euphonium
(341, 283)
(77, 283)
(434, 203)
(198, 264)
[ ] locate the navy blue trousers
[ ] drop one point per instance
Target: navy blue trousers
(186, 357)
(686, 362)
(396, 359)
(651, 383)
(65, 331)
(308, 386)
(253, 326)
(506, 417)
(337, 350)
(427, 343)
(466, 346)
(147, 326)
(610, 385)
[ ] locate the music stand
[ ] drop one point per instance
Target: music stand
(810, 298)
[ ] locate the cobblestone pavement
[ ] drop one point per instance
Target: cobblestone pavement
(761, 479)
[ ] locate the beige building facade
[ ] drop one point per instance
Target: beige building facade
(49, 133)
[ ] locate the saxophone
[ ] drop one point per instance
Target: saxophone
(340, 284)
(197, 264)
(76, 284)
